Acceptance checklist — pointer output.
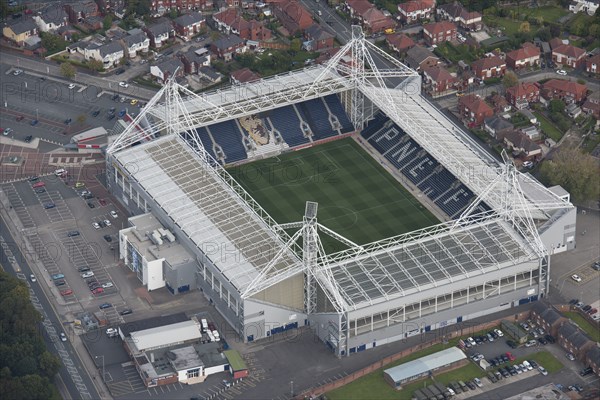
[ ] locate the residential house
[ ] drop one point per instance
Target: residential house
(488, 67)
(499, 103)
(415, 10)
(167, 69)
(399, 42)
(188, 25)
(230, 21)
(439, 79)
(574, 341)
(419, 57)
(473, 110)
(522, 146)
(527, 56)
(592, 105)
(547, 318)
(110, 54)
(67, 32)
(111, 6)
(523, 94)
(439, 32)
(586, 6)
(210, 74)
(80, 10)
(293, 16)
(565, 90)
(528, 115)
(51, 19)
(568, 55)
(370, 17)
(497, 126)
(317, 38)
(592, 64)
(226, 46)
(557, 42)
(159, 33)
(138, 42)
(93, 22)
(193, 60)
(455, 12)
(20, 31)
(532, 132)
(162, 6)
(243, 75)
(592, 359)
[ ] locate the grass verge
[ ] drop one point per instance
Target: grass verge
(548, 127)
(584, 324)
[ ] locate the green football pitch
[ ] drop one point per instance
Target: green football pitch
(357, 197)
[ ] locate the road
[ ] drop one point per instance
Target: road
(75, 377)
(109, 83)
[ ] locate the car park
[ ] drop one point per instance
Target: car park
(527, 366)
(49, 205)
(66, 292)
(579, 304)
(492, 377)
(104, 306)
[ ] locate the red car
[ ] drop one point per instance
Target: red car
(98, 290)
(39, 184)
(102, 202)
(592, 311)
(66, 292)
(510, 356)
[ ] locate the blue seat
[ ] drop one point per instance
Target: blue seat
(374, 125)
(337, 109)
(317, 117)
(286, 121)
(228, 136)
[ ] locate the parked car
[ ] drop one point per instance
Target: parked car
(40, 190)
(73, 233)
(124, 84)
(561, 72)
(107, 238)
(63, 337)
(107, 285)
(98, 290)
(512, 344)
(60, 282)
(112, 332)
(49, 205)
(542, 370)
(586, 371)
(96, 113)
(477, 381)
(510, 356)
(576, 278)
(570, 356)
(126, 311)
(87, 274)
(38, 184)
(66, 292)
(34, 122)
(95, 225)
(57, 276)
(105, 305)
(32, 277)
(83, 269)
(91, 205)
(28, 138)
(596, 266)
(550, 338)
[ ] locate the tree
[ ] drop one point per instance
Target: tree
(595, 30)
(296, 45)
(524, 27)
(544, 34)
(574, 170)
(67, 70)
(173, 13)
(510, 79)
(49, 364)
(95, 65)
(557, 106)
(107, 22)
(580, 28)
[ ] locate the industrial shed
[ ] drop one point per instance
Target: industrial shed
(423, 366)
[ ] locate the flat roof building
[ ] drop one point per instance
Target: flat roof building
(423, 366)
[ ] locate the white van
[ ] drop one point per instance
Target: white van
(60, 172)
(204, 325)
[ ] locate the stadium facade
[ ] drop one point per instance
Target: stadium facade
(492, 253)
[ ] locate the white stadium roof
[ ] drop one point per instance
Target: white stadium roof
(204, 206)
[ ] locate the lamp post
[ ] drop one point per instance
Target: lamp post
(292, 388)
(103, 376)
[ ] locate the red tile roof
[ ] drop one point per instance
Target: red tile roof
(416, 5)
(244, 75)
(438, 73)
(569, 51)
(475, 104)
(486, 63)
(359, 6)
(565, 86)
(377, 20)
(439, 27)
(523, 89)
(400, 41)
(527, 51)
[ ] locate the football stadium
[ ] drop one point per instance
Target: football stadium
(335, 198)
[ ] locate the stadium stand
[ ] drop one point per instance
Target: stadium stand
(227, 135)
(286, 121)
(317, 117)
(420, 168)
(335, 107)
